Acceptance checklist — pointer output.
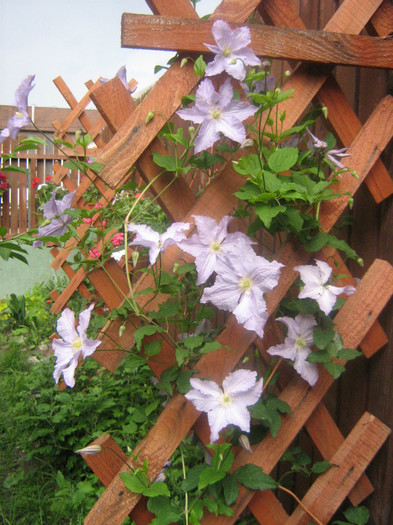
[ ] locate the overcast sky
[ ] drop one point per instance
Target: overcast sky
(78, 40)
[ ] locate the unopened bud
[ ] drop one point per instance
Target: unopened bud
(247, 143)
(245, 443)
(191, 130)
(350, 203)
(78, 133)
(135, 257)
(287, 73)
(175, 267)
(183, 62)
(360, 261)
(90, 450)
(324, 110)
(149, 117)
(122, 330)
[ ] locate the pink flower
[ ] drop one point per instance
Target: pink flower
(48, 178)
(97, 205)
(86, 220)
(103, 223)
(94, 253)
(139, 196)
(118, 239)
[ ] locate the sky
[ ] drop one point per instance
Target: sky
(78, 40)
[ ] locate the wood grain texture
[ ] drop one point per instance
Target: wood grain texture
(350, 461)
(159, 32)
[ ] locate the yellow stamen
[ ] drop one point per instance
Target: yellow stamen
(245, 283)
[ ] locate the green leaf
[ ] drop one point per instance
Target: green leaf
(192, 478)
(267, 213)
(283, 159)
(166, 310)
(162, 508)
(193, 341)
(206, 160)
(335, 369)
(248, 165)
(357, 515)
(14, 168)
(140, 333)
(252, 477)
(210, 346)
(158, 488)
(347, 354)
(315, 244)
(183, 381)
(209, 476)
(199, 66)
(168, 162)
(231, 489)
(152, 348)
(322, 336)
(321, 356)
(134, 483)
(181, 355)
(320, 467)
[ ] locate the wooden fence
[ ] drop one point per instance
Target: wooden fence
(351, 439)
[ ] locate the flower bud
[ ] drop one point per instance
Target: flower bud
(247, 143)
(135, 257)
(122, 330)
(191, 130)
(324, 110)
(245, 443)
(360, 261)
(183, 62)
(175, 267)
(287, 73)
(350, 203)
(90, 450)
(149, 117)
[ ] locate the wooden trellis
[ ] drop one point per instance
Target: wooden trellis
(133, 143)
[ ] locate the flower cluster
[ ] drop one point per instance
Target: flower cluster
(4, 185)
(54, 211)
(21, 117)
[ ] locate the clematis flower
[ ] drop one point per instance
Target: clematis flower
(211, 243)
(21, 117)
(54, 212)
(72, 345)
(331, 155)
(315, 279)
(217, 112)
(297, 345)
(242, 279)
(157, 242)
(232, 53)
(122, 75)
(226, 405)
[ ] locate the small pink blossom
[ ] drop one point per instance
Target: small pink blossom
(88, 221)
(97, 205)
(140, 196)
(94, 253)
(118, 239)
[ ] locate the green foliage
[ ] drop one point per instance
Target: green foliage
(354, 516)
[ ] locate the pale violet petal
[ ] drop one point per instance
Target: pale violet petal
(207, 136)
(239, 381)
(208, 388)
(283, 350)
(68, 374)
(84, 320)
(66, 326)
(308, 371)
(231, 127)
(89, 346)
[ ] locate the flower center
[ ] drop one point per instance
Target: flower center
(226, 52)
(215, 246)
(216, 113)
(300, 342)
(226, 399)
(19, 114)
(245, 284)
(77, 344)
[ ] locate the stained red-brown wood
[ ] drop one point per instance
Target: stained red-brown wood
(350, 461)
(159, 32)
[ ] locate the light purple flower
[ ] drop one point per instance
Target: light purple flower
(232, 53)
(242, 280)
(331, 155)
(21, 117)
(226, 405)
(315, 279)
(297, 345)
(211, 244)
(72, 345)
(122, 75)
(217, 113)
(54, 212)
(157, 242)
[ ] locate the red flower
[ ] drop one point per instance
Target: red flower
(4, 185)
(3, 178)
(36, 181)
(48, 178)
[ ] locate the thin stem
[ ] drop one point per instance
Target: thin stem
(272, 374)
(184, 476)
(317, 521)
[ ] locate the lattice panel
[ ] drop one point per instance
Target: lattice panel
(133, 143)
